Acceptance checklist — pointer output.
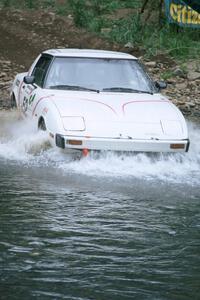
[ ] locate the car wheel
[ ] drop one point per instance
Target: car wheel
(42, 125)
(13, 102)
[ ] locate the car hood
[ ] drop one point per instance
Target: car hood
(120, 114)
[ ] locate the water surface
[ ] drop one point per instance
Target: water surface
(112, 227)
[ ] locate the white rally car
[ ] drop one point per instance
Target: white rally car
(99, 100)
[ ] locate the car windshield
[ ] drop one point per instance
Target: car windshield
(98, 74)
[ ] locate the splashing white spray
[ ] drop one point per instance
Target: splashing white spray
(18, 140)
(20, 143)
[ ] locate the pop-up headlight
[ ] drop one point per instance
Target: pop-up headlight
(74, 123)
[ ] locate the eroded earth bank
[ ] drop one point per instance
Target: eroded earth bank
(24, 34)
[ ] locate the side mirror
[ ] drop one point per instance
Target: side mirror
(29, 79)
(160, 85)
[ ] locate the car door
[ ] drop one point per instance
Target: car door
(31, 92)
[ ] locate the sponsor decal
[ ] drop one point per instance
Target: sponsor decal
(45, 111)
(31, 99)
(25, 104)
(27, 101)
(30, 89)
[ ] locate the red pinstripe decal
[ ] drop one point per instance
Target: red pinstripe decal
(42, 98)
(143, 101)
(95, 101)
(57, 108)
(79, 100)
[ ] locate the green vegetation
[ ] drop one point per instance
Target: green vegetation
(166, 75)
(121, 21)
(149, 30)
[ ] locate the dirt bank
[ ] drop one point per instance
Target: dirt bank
(24, 34)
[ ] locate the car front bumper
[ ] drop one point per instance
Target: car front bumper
(121, 144)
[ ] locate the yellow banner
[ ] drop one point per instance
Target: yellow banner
(184, 14)
(180, 13)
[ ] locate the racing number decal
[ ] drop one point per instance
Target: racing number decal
(27, 102)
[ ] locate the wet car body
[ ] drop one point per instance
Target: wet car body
(99, 100)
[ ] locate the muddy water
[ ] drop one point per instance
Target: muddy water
(112, 227)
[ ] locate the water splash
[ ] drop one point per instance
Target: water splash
(168, 167)
(20, 143)
(18, 140)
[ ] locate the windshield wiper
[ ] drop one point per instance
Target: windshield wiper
(125, 90)
(72, 88)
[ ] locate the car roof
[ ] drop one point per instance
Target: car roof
(88, 53)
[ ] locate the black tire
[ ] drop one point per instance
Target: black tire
(42, 125)
(13, 103)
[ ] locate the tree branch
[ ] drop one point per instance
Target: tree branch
(144, 5)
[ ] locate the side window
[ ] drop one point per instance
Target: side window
(40, 69)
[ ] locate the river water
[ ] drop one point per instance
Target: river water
(108, 227)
